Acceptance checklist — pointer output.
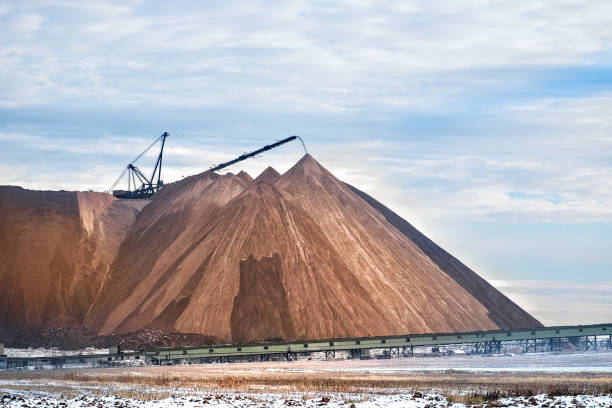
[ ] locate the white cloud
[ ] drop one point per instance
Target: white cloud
(10, 174)
(293, 56)
(561, 303)
(27, 23)
(346, 59)
(552, 164)
(532, 157)
(115, 144)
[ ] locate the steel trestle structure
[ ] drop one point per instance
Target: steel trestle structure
(589, 337)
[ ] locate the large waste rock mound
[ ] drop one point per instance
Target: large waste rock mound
(220, 258)
(296, 256)
(56, 248)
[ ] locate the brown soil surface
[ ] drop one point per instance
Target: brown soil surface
(313, 252)
(56, 248)
(294, 256)
(261, 308)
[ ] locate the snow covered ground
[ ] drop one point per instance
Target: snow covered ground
(420, 400)
(44, 352)
(112, 387)
(556, 362)
(587, 362)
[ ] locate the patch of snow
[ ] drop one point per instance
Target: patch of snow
(587, 362)
(51, 352)
(414, 400)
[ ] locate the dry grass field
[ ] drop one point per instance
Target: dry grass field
(150, 383)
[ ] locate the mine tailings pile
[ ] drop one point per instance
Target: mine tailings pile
(300, 255)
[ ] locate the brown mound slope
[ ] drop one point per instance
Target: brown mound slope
(56, 248)
(304, 257)
(149, 262)
(504, 312)
(260, 309)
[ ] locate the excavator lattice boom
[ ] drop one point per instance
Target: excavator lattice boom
(140, 187)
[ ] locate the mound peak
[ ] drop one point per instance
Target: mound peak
(244, 176)
(309, 164)
(307, 170)
(269, 175)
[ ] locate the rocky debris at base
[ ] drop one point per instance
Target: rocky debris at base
(74, 338)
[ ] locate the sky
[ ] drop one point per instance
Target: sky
(486, 124)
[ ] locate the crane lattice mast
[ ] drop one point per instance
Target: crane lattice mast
(148, 186)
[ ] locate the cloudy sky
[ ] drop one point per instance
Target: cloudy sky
(487, 124)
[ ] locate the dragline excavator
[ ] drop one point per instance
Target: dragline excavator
(141, 187)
